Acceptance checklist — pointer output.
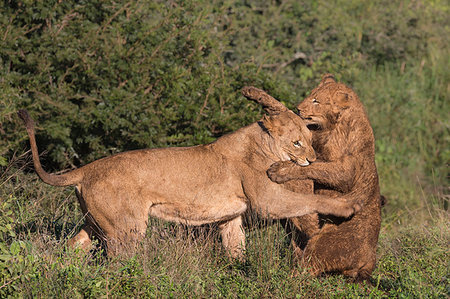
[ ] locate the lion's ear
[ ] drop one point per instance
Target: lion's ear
(271, 124)
(327, 78)
(342, 99)
(267, 123)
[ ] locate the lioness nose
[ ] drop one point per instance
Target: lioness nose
(312, 157)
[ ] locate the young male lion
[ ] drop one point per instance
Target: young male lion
(209, 183)
(344, 143)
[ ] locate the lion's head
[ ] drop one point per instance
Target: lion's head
(290, 138)
(327, 104)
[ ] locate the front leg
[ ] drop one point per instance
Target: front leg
(284, 171)
(233, 237)
(274, 201)
(337, 175)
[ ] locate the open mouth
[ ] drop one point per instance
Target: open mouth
(314, 127)
(311, 124)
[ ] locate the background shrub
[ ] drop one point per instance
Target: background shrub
(103, 77)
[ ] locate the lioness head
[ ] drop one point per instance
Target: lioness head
(327, 103)
(290, 138)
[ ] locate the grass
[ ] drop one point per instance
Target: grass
(177, 261)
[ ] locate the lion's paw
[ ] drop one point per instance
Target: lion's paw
(279, 172)
(349, 209)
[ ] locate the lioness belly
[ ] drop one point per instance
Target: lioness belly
(198, 214)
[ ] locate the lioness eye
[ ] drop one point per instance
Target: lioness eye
(315, 101)
(298, 143)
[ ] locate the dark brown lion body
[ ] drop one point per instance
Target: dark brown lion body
(345, 147)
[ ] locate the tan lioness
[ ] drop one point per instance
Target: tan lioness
(195, 185)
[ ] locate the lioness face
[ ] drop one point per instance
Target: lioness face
(323, 108)
(291, 137)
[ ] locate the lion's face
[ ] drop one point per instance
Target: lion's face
(323, 108)
(291, 139)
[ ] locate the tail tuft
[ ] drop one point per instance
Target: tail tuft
(25, 116)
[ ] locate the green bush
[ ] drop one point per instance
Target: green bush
(107, 77)
(102, 77)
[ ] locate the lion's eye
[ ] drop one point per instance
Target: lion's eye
(298, 143)
(315, 101)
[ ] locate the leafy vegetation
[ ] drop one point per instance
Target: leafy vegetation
(102, 77)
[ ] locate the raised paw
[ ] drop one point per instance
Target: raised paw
(280, 172)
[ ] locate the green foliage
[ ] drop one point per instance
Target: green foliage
(106, 77)
(17, 265)
(103, 77)
(413, 264)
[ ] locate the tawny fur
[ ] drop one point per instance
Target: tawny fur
(196, 185)
(344, 143)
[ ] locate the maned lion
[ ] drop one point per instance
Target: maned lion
(345, 145)
(195, 185)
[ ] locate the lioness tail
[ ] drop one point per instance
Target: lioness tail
(70, 178)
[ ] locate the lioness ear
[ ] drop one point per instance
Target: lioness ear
(327, 78)
(268, 123)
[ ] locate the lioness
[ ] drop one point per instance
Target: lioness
(196, 185)
(344, 142)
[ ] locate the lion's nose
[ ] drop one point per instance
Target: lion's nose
(312, 157)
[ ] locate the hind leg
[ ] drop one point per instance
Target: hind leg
(121, 233)
(124, 237)
(363, 269)
(83, 239)
(117, 216)
(341, 252)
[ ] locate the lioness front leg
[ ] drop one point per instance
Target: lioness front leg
(233, 237)
(277, 202)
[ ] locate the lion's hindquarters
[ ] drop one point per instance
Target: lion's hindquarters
(360, 255)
